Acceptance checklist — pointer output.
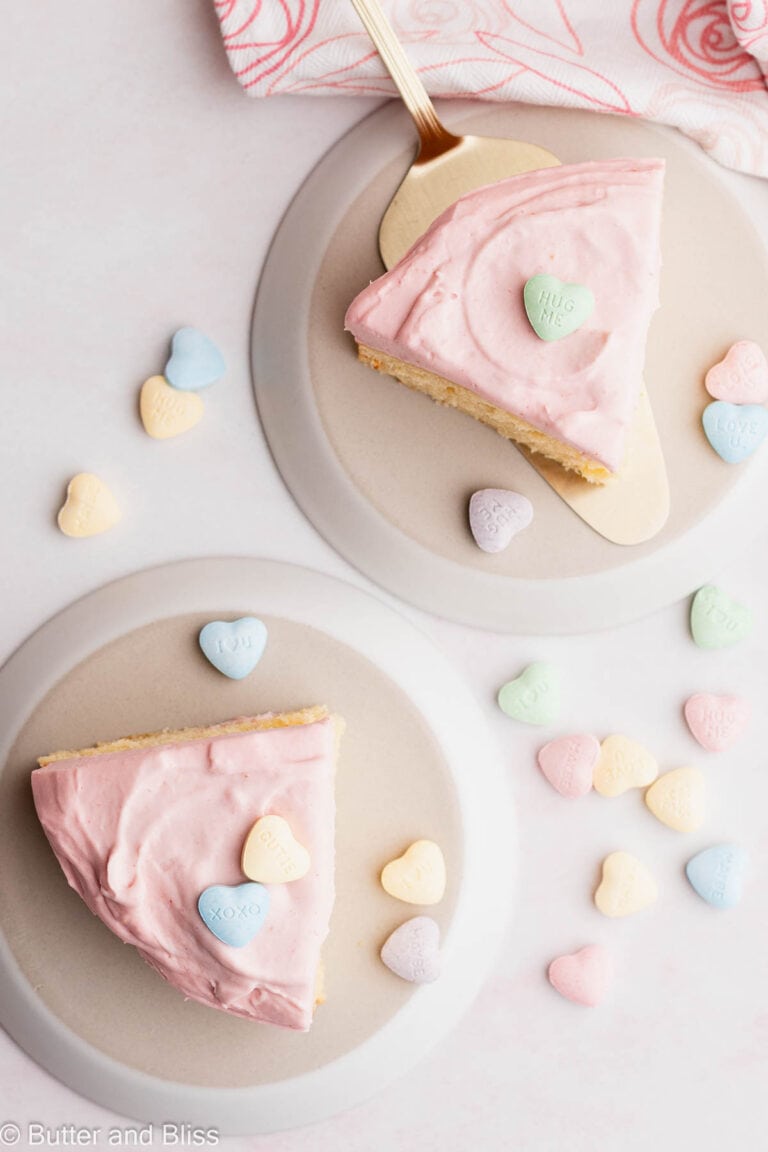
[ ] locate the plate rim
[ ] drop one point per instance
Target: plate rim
(340, 512)
(486, 814)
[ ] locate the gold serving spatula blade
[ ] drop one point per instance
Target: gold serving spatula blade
(634, 505)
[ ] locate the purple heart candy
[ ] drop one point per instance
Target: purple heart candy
(413, 950)
(496, 515)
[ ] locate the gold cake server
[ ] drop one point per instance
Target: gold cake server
(632, 506)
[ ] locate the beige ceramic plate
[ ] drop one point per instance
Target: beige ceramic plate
(386, 474)
(415, 763)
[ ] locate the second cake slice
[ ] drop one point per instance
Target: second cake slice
(450, 318)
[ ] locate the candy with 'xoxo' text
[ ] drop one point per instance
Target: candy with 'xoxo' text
(234, 913)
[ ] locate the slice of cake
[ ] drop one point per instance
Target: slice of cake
(526, 304)
(151, 830)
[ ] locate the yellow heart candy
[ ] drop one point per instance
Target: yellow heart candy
(89, 508)
(623, 764)
(167, 411)
(418, 876)
(271, 853)
(678, 799)
(626, 887)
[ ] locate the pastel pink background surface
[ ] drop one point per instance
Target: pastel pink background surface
(696, 64)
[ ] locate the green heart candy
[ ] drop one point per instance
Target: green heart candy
(716, 620)
(556, 309)
(534, 697)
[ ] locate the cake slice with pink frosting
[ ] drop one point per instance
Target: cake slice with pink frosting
(526, 304)
(146, 826)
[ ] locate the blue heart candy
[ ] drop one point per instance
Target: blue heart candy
(195, 361)
(735, 431)
(234, 913)
(235, 647)
(717, 874)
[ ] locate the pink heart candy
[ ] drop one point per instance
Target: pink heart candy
(496, 515)
(741, 377)
(716, 722)
(568, 763)
(585, 976)
(413, 950)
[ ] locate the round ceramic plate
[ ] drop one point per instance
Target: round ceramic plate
(386, 475)
(415, 762)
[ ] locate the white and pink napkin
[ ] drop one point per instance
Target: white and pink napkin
(700, 65)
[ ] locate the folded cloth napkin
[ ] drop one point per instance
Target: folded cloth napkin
(700, 65)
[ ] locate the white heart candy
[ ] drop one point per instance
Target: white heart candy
(496, 515)
(412, 951)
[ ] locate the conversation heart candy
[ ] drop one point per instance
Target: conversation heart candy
(234, 913)
(623, 764)
(717, 874)
(735, 431)
(496, 515)
(716, 620)
(716, 722)
(272, 854)
(418, 876)
(568, 763)
(534, 696)
(556, 309)
(585, 977)
(741, 377)
(412, 951)
(679, 799)
(90, 507)
(626, 887)
(234, 647)
(165, 411)
(195, 361)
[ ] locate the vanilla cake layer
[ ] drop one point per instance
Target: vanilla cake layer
(507, 425)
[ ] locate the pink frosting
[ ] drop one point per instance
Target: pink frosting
(140, 834)
(454, 304)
